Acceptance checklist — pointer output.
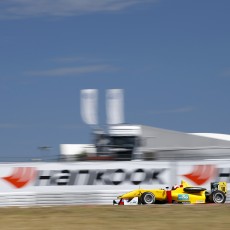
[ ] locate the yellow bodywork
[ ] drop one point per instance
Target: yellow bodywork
(160, 194)
(177, 196)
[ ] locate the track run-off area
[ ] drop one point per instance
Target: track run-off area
(199, 216)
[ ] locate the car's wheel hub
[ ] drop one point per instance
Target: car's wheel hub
(148, 198)
(219, 198)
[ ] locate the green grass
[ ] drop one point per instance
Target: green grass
(117, 217)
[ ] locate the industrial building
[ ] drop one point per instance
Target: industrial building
(140, 142)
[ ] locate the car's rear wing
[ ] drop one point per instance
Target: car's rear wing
(221, 186)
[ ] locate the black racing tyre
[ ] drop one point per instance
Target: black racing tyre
(148, 198)
(207, 197)
(194, 189)
(218, 197)
(139, 200)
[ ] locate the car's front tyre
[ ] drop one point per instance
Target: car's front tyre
(148, 198)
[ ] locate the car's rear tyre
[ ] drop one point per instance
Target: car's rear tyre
(207, 197)
(147, 198)
(218, 197)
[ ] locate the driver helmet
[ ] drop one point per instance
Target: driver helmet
(175, 186)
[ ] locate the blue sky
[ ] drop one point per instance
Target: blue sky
(172, 58)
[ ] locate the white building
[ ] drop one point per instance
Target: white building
(132, 142)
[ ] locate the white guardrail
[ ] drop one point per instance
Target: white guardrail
(57, 198)
(68, 198)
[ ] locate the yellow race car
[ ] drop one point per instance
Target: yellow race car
(183, 193)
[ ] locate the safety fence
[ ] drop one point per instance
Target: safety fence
(57, 198)
(68, 198)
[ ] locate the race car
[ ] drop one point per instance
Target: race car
(183, 193)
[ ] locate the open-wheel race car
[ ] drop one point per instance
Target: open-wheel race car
(183, 193)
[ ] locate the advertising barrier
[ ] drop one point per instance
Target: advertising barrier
(99, 182)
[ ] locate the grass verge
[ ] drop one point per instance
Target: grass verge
(192, 217)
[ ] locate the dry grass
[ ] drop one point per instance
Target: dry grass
(117, 217)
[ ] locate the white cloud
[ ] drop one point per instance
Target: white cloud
(33, 8)
(66, 71)
(68, 59)
(76, 60)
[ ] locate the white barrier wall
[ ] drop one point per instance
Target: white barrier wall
(83, 176)
(99, 182)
